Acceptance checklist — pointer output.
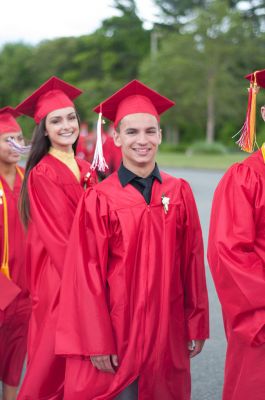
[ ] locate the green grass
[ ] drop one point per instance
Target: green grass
(199, 161)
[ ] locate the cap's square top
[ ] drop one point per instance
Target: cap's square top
(8, 121)
(50, 96)
(135, 97)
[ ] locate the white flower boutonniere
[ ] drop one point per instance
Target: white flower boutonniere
(165, 202)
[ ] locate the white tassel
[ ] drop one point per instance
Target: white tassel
(99, 160)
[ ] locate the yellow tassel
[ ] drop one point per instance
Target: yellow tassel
(252, 120)
(5, 267)
(263, 151)
(247, 139)
(5, 270)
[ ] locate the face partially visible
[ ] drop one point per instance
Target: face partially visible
(7, 155)
(262, 110)
(62, 128)
(139, 137)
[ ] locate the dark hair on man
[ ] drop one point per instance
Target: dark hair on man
(39, 148)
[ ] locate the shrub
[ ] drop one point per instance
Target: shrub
(202, 147)
(173, 148)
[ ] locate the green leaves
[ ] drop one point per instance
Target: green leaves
(197, 54)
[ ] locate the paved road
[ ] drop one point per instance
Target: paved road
(207, 368)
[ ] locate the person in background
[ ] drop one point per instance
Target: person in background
(112, 153)
(134, 305)
(86, 143)
(236, 254)
(15, 304)
(54, 182)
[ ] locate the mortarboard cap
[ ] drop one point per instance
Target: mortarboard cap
(51, 95)
(133, 98)
(247, 138)
(258, 76)
(8, 121)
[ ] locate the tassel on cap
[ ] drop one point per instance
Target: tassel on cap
(99, 160)
(247, 140)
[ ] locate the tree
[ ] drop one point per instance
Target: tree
(15, 73)
(202, 68)
(126, 42)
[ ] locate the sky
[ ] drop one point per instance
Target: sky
(31, 21)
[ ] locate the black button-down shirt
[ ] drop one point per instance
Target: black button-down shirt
(143, 185)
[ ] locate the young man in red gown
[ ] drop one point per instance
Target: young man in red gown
(134, 305)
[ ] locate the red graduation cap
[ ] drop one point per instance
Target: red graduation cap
(247, 138)
(51, 95)
(259, 76)
(133, 98)
(8, 121)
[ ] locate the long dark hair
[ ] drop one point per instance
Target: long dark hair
(39, 148)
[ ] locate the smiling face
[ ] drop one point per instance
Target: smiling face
(62, 128)
(139, 137)
(7, 155)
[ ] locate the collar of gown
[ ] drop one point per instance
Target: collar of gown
(68, 159)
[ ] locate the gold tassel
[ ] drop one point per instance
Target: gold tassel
(247, 140)
(5, 270)
(4, 266)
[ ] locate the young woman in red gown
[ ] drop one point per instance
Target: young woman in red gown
(54, 181)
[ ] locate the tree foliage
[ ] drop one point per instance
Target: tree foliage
(205, 62)
(196, 54)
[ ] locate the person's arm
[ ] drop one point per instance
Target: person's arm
(193, 275)
(84, 327)
(238, 270)
(51, 211)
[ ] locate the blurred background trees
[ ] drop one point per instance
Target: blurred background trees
(197, 54)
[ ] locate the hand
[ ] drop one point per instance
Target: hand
(195, 347)
(105, 363)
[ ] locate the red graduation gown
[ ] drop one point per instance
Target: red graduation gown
(133, 285)
(236, 254)
(14, 316)
(54, 193)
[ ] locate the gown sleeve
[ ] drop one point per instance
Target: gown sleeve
(52, 212)
(84, 326)
(237, 269)
(193, 270)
